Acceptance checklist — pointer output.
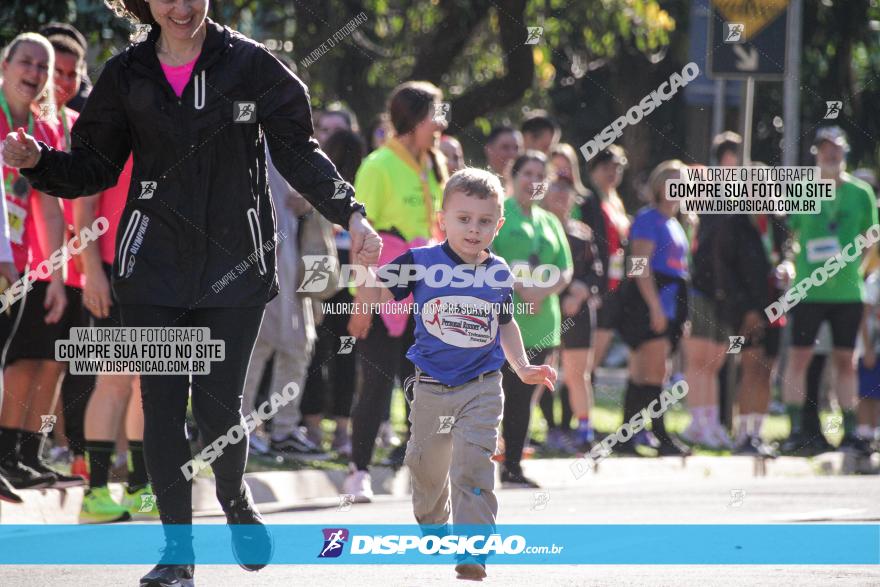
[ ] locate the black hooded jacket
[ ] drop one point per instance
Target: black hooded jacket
(198, 208)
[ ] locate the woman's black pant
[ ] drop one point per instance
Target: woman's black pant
(216, 404)
(382, 358)
(330, 381)
(518, 407)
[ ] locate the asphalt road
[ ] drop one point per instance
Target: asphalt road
(655, 500)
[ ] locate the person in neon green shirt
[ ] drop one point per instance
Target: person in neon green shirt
(401, 184)
(532, 236)
(839, 300)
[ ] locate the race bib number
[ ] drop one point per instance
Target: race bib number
(615, 265)
(16, 215)
(820, 250)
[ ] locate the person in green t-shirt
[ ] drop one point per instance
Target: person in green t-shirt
(530, 237)
(839, 299)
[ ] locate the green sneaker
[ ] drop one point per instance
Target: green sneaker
(98, 507)
(141, 503)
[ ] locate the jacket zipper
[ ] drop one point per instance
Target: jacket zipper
(257, 238)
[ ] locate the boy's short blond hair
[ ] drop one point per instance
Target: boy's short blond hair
(474, 182)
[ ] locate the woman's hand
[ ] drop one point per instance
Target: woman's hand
(96, 294)
(365, 242)
(658, 320)
(538, 375)
(21, 150)
(55, 302)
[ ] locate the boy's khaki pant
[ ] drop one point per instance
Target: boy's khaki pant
(457, 449)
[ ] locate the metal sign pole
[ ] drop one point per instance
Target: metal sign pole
(718, 109)
(791, 111)
(748, 114)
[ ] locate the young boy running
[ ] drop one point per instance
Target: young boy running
(464, 331)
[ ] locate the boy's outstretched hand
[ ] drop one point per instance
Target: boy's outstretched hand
(538, 375)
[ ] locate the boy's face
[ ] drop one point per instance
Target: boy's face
(470, 223)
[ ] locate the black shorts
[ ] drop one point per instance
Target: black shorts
(33, 338)
(10, 322)
(577, 330)
(769, 339)
(608, 314)
(114, 318)
(635, 323)
(844, 318)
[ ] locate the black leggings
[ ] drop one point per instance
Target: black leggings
(331, 377)
(216, 405)
(546, 405)
(517, 408)
(382, 358)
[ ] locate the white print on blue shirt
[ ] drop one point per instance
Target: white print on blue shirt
(461, 321)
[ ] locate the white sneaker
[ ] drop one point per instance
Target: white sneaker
(359, 485)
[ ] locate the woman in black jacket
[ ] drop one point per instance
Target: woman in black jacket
(198, 210)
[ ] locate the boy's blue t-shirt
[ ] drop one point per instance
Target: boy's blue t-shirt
(670, 251)
(456, 328)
